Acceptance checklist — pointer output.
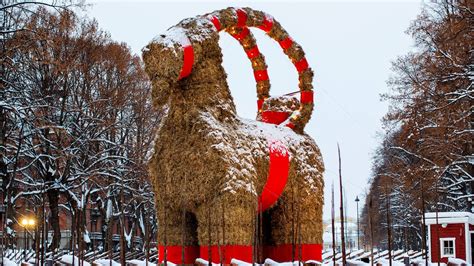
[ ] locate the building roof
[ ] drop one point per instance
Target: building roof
(449, 217)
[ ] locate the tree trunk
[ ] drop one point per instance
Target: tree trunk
(53, 198)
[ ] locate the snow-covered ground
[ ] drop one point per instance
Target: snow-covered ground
(353, 258)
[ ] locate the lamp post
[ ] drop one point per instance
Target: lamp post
(357, 203)
(27, 222)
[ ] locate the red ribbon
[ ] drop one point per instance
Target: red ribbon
(277, 175)
(286, 43)
(301, 65)
(174, 254)
(252, 52)
(279, 253)
(260, 104)
(188, 61)
(274, 117)
(216, 22)
(284, 252)
(267, 24)
(241, 18)
(306, 97)
(260, 75)
(228, 252)
(242, 34)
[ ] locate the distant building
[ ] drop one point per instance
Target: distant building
(350, 228)
(451, 235)
(94, 226)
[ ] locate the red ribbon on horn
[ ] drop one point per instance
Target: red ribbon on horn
(188, 61)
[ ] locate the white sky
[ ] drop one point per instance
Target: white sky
(349, 45)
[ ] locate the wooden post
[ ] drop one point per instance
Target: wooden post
(371, 228)
(343, 244)
(389, 231)
(333, 224)
(423, 231)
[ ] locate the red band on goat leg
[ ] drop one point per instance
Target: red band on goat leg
(277, 175)
(188, 61)
(174, 254)
(306, 97)
(284, 252)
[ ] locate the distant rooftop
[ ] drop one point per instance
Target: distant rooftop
(449, 217)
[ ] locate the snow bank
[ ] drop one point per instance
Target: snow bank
(7, 262)
(143, 263)
(357, 262)
(205, 262)
(240, 263)
(457, 261)
(313, 262)
(69, 258)
(106, 262)
(421, 262)
(394, 263)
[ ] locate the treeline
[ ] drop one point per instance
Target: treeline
(76, 126)
(425, 161)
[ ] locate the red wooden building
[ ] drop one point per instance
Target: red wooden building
(450, 235)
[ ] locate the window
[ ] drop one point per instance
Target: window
(448, 249)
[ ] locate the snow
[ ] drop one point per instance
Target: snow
(177, 36)
(173, 38)
(422, 262)
(356, 262)
(313, 262)
(449, 214)
(205, 262)
(7, 262)
(86, 237)
(251, 139)
(394, 263)
(109, 211)
(272, 262)
(143, 263)
(239, 262)
(10, 231)
(457, 261)
(69, 259)
(106, 262)
(128, 237)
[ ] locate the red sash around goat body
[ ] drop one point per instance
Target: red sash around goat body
(277, 175)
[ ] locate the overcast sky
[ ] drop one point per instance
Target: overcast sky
(349, 45)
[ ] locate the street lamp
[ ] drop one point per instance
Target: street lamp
(357, 202)
(27, 222)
